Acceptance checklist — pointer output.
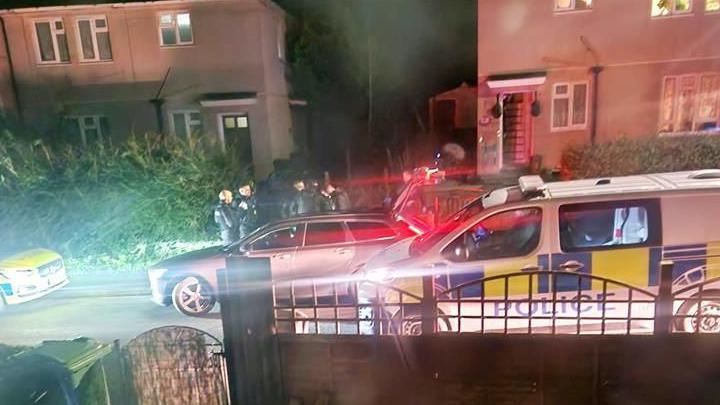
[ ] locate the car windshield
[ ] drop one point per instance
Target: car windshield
(422, 243)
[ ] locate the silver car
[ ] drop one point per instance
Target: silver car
(298, 248)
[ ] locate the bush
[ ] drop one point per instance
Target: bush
(643, 155)
(111, 207)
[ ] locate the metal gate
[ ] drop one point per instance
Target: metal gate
(177, 365)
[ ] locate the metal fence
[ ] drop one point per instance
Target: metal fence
(524, 302)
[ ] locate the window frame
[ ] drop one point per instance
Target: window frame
(652, 208)
(696, 103)
(571, 106)
(572, 9)
(178, 43)
(93, 31)
(348, 236)
(673, 12)
(97, 124)
(706, 11)
(53, 37)
(187, 120)
(301, 229)
(369, 221)
(473, 222)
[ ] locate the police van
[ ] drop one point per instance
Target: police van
(615, 230)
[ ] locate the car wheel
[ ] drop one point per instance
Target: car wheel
(709, 308)
(192, 296)
(411, 325)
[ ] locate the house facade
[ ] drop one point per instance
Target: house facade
(182, 67)
(552, 73)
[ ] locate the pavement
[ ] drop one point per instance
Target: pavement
(103, 306)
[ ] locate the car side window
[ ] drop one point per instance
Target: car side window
(514, 233)
(325, 233)
(284, 238)
(368, 230)
(608, 225)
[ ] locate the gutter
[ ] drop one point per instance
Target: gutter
(13, 79)
(595, 71)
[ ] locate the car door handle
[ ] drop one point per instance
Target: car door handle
(281, 256)
(342, 251)
(532, 267)
(571, 265)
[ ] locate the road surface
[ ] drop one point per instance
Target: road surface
(104, 307)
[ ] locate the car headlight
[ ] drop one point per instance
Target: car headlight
(379, 275)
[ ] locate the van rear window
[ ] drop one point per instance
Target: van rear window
(608, 225)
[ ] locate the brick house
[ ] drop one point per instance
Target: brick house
(557, 72)
(175, 66)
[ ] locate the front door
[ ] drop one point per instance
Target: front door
(236, 132)
(516, 128)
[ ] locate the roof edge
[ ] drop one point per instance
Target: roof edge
(24, 10)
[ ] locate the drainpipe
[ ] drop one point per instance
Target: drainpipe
(595, 71)
(158, 103)
(13, 79)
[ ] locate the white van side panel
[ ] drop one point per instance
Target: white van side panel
(690, 218)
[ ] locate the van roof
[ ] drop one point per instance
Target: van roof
(687, 180)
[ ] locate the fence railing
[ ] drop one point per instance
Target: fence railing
(525, 302)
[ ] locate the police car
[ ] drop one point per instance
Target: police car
(30, 274)
(616, 229)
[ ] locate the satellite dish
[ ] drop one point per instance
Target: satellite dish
(454, 150)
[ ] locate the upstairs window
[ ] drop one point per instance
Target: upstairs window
(569, 106)
(175, 29)
(712, 5)
(572, 5)
(94, 39)
(664, 8)
(51, 40)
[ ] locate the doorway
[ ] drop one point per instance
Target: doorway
(236, 135)
(516, 129)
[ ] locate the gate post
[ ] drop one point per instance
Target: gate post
(251, 348)
(428, 308)
(664, 301)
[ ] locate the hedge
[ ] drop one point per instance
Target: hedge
(111, 207)
(642, 155)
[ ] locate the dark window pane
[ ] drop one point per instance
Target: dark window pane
(179, 124)
(105, 126)
(86, 40)
(325, 233)
(604, 225)
(579, 103)
(560, 112)
(63, 48)
(103, 39)
(72, 127)
(184, 27)
(513, 233)
(370, 230)
(280, 239)
(168, 36)
(47, 50)
(100, 23)
(92, 136)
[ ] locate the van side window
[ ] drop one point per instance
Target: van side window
(608, 225)
(514, 233)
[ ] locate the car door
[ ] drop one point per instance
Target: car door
(280, 246)
(503, 242)
(328, 251)
(370, 237)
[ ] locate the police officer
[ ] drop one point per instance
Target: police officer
(225, 217)
(300, 203)
(245, 205)
(340, 199)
